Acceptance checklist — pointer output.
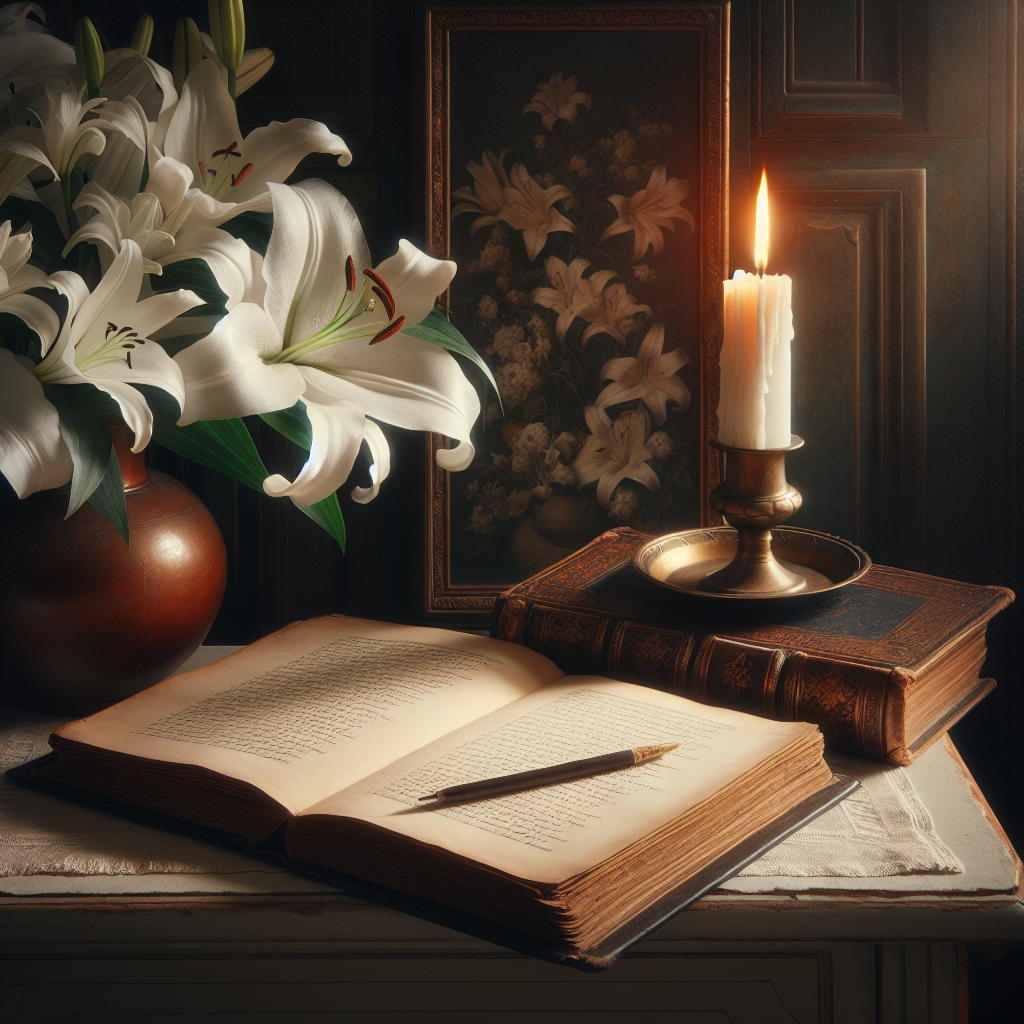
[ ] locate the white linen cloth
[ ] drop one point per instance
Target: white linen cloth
(881, 829)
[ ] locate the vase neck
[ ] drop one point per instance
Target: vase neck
(133, 464)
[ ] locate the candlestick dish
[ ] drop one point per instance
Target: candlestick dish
(679, 561)
(753, 560)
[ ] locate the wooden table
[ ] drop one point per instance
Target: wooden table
(269, 948)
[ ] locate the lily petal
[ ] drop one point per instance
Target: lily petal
(35, 314)
(337, 435)
(315, 231)
(408, 383)
(225, 375)
(236, 267)
(275, 151)
(380, 465)
(33, 455)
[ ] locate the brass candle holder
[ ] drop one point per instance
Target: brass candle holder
(754, 496)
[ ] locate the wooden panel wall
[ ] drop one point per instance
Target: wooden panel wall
(889, 134)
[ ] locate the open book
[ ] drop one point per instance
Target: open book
(335, 727)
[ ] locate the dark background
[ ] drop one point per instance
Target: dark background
(909, 288)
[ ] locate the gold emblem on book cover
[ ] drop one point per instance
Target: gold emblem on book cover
(736, 677)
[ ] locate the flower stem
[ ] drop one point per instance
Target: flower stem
(231, 82)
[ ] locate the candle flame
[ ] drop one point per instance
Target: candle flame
(761, 226)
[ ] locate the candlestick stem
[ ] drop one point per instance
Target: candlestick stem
(753, 497)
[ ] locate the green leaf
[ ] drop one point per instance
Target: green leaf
(327, 514)
(88, 440)
(252, 228)
(223, 445)
(196, 276)
(108, 498)
(85, 398)
(293, 423)
(436, 329)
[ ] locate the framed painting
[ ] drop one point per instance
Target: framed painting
(577, 173)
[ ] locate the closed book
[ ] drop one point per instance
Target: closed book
(884, 666)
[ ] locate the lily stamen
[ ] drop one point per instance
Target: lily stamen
(392, 328)
(350, 274)
(383, 285)
(237, 179)
(389, 303)
(118, 340)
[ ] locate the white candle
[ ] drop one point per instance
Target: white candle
(754, 388)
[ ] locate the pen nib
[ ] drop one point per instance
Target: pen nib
(642, 754)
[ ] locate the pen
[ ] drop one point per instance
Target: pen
(582, 769)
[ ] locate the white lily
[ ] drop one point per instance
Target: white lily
(106, 340)
(313, 340)
(136, 80)
(33, 455)
(170, 223)
(204, 135)
(29, 57)
(65, 136)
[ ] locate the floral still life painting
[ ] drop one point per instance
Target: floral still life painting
(576, 224)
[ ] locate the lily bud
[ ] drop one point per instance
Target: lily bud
(227, 28)
(89, 54)
(143, 38)
(188, 51)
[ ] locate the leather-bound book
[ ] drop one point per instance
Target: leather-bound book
(884, 666)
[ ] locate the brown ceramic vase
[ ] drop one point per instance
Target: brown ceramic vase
(86, 620)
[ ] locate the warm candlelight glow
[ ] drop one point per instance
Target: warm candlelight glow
(761, 227)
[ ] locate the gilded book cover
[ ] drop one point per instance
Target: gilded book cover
(884, 665)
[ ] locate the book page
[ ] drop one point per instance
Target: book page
(550, 834)
(320, 704)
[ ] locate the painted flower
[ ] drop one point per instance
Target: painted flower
(529, 208)
(614, 452)
(607, 307)
(557, 99)
(649, 210)
(651, 377)
(314, 340)
(487, 196)
(614, 312)
(571, 294)
(203, 134)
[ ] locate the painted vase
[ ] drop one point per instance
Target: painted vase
(86, 620)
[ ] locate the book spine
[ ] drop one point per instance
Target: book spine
(859, 708)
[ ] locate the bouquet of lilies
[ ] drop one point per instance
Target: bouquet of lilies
(154, 266)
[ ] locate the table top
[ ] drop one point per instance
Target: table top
(984, 903)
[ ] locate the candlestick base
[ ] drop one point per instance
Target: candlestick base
(753, 497)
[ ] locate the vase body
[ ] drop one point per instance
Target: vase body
(86, 620)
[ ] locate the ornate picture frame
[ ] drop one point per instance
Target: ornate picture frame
(577, 171)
